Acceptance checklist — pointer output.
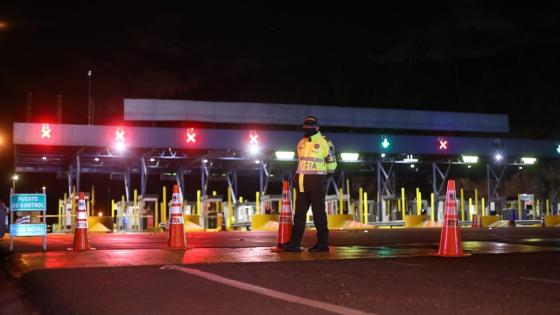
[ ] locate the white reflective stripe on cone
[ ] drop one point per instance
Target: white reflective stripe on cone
(82, 215)
(175, 210)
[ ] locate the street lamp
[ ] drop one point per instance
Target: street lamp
(14, 180)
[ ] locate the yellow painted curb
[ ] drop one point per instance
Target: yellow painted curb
(411, 221)
(262, 222)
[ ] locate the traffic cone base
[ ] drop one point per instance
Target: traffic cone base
(176, 237)
(285, 219)
(450, 241)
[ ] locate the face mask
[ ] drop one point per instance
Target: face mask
(309, 131)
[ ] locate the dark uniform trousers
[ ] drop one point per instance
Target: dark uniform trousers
(314, 195)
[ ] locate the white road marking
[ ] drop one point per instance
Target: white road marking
(553, 281)
(400, 263)
(270, 293)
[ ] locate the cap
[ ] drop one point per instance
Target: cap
(310, 121)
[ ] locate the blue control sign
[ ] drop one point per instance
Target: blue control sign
(28, 229)
(28, 202)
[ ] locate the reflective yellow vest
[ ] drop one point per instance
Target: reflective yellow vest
(315, 155)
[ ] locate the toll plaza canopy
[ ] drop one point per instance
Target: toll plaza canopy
(290, 114)
(70, 150)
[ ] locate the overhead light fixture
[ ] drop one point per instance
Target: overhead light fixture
(498, 157)
(349, 157)
(152, 160)
(412, 165)
(383, 155)
(44, 158)
(285, 155)
(470, 159)
(410, 159)
(528, 160)
(96, 159)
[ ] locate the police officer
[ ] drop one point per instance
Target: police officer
(316, 159)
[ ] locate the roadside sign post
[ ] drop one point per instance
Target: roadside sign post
(28, 203)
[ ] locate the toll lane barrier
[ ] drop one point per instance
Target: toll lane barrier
(192, 223)
(552, 220)
(415, 221)
(489, 220)
(103, 224)
(265, 222)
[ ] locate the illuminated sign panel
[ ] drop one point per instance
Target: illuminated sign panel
(191, 135)
(46, 132)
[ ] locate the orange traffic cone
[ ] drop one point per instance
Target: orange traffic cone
(81, 241)
(450, 242)
(285, 219)
(176, 238)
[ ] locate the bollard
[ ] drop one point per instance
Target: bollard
(365, 208)
(432, 206)
(462, 205)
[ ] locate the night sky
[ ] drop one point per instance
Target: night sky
(469, 56)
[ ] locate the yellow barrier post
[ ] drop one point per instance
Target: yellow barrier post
(365, 208)
(214, 193)
(164, 205)
(123, 210)
(135, 208)
(470, 209)
(418, 202)
(483, 209)
(198, 203)
(113, 209)
(64, 208)
(403, 203)
(432, 206)
(348, 191)
(93, 200)
(257, 202)
(340, 202)
(88, 209)
(519, 206)
(462, 205)
(156, 217)
(73, 207)
(230, 209)
(476, 200)
(547, 206)
(361, 204)
(59, 212)
(112, 215)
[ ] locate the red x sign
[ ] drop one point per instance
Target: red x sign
(443, 144)
(45, 131)
(191, 135)
(119, 135)
(254, 137)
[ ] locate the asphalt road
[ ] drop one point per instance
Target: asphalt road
(512, 282)
(481, 284)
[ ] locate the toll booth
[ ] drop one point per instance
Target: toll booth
(332, 204)
(527, 204)
(126, 217)
(270, 204)
(212, 213)
(242, 214)
(147, 207)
